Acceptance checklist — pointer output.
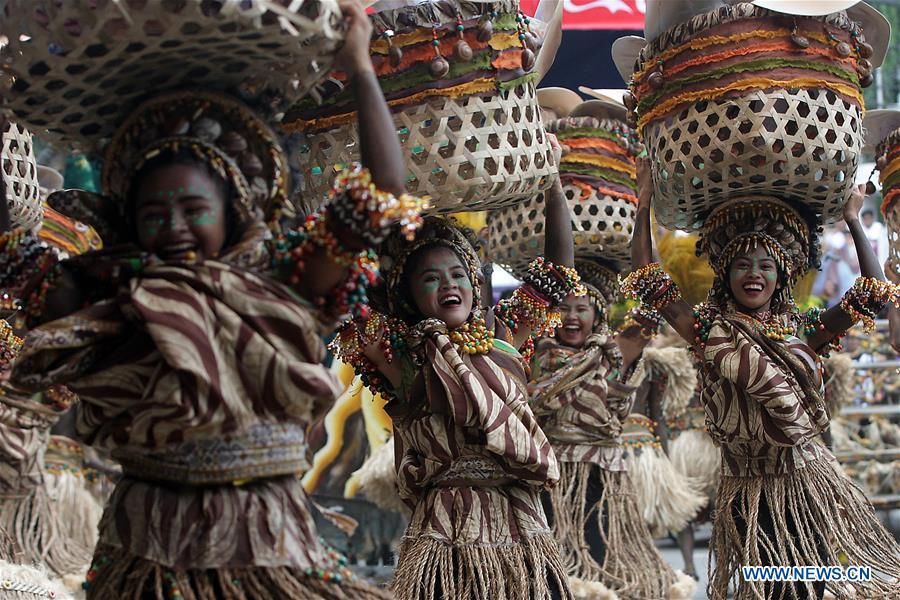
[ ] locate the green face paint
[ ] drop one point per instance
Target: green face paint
(745, 265)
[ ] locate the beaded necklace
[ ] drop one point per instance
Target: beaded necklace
(473, 336)
(773, 326)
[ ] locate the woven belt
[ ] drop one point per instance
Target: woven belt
(26, 587)
(473, 471)
(260, 452)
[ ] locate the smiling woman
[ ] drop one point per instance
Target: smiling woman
(470, 457)
(781, 501)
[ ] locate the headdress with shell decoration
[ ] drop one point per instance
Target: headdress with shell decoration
(600, 280)
(744, 224)
(435, 231)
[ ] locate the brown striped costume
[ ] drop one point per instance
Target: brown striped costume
(766, 425)
(581, 403)
(201, 379)
(471, 461)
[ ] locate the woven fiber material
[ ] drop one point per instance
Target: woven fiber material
(23, 192)
(743, 101)
(597, 169)
(471, 128)
(601, 227)
(799, 145)
(76, 68)
(471, 153)
(888, 163)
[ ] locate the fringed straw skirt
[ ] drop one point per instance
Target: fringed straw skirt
(115, 574)
(631, 566)
(669, 500)
(812, 516)
(479, 543)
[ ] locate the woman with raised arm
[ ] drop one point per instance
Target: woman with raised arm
(582, 389)
(470, 458)
(194, 345)
(782, 500)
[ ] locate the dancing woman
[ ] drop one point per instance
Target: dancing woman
(194, 344)
(781, 501)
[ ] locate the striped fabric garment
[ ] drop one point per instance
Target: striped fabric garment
(571, 396)
(196, 375)
(467, 423)
(755, 409)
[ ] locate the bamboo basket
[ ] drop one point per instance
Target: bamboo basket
(600, 194)
(745, 101)
(473, 138)
(23, 192)
(888, 164)
(75, 69)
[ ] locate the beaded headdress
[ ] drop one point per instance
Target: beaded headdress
(218, 130)
(600, 281)
(435, 231)
(744, 224)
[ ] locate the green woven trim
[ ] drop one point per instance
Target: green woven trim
(587, 132)
(891, 181)
(504, 86)
(568, 168)
(765, 64)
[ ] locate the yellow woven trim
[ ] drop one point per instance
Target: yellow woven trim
(889, 170)
(715, 40)
(601, 161)
(479, 86)
(504, 41)
(745, 85)
(499, 41)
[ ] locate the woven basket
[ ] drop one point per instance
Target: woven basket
(602, 227)
(601, 198)
(734, 103)
(23, 192)
(470, 144)
(888, 163)
(77, 68)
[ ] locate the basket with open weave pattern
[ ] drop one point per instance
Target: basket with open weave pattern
(23, 191)
(474, 139)
(888, 163)
(745, 101)
(599, 188)
(75, 69)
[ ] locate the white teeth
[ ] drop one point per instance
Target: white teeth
(447, 300)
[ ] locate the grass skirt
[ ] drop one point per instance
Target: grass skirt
(40, 532)
(115, 574)
(632, 566)
(694, 455)
(429, 569)
(669, 500)
(818, 517)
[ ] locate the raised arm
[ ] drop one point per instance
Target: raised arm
(350, 215)
(559, 252)
(677, 312)
(861, 301)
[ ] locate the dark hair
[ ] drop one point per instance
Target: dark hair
(184, 157)
(868, 211)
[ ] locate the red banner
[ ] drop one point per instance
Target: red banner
(597, 14)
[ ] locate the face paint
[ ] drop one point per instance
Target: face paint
(441, 287)
(180, 212)
(753, 280)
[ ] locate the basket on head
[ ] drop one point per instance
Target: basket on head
(597, 171)
(883, 138)
(746, 101)
(77, 68)
(459, 79)
(19, 171)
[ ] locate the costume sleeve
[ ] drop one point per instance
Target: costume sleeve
(782, 418)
